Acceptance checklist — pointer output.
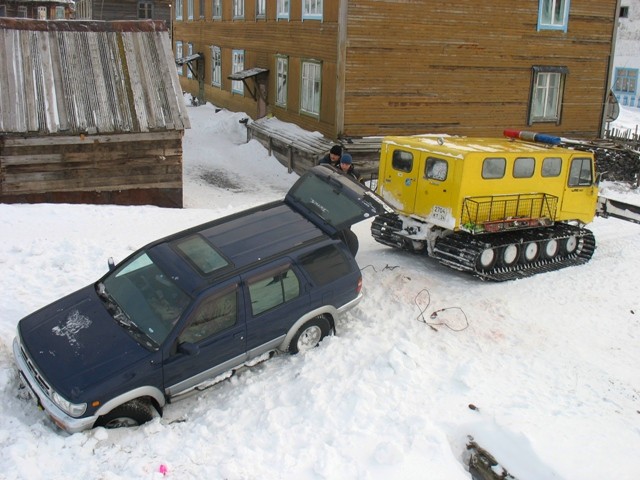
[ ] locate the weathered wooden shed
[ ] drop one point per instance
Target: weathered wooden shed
(92, 112)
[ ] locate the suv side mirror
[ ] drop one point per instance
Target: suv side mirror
(188, 348)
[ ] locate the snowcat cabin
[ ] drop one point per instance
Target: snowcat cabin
(501, 208)
(475, 184)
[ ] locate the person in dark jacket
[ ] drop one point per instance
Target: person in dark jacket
(346, 165)
(333, 157)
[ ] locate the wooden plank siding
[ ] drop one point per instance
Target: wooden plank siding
(122, 169)
(416, 66)
(262, 40)
(467, 69)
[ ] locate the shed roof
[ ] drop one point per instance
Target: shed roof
(71, 77)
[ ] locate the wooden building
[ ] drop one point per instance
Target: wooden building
(377, 67)
(110, 10)
(92, 112)
(38, 9)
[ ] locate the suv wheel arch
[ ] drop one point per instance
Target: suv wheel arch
(329, 312)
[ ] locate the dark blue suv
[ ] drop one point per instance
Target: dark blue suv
(185, 311)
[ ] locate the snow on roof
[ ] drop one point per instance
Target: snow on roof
(71, 77)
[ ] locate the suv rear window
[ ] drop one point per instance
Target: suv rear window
(325, 265)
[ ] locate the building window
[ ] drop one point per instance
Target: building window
(179, 55)
(626, 80)
(310, 89)
(42, 13)
(282, 70)
(553, 15)
(283, 9)
(238, 8)
(217, 8)
(3, 10)
(312, 9)
(624, 12)
(59, 13)
(22, 12)
(179, 9)
(216, 66)
(261, 8)
(189, 53)
(546, 94)
(145, 10)
(189, 9)
(201, 8)
(237, 66)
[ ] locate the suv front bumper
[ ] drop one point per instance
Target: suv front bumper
(59, 417)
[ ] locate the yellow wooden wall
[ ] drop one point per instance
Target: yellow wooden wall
(418, 66)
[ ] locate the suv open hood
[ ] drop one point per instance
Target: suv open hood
(332, 200)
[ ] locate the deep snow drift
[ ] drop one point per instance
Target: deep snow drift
(549, 362)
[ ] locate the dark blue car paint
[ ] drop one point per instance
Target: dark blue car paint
(76, 348)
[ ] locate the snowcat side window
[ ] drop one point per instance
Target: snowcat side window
(493, 168)
(580, 173)
(436, 169)
(524, 167)
(551, 166)
(402, 161)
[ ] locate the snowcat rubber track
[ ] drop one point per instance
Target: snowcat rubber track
(461, 250)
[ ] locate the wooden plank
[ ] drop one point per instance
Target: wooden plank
(84, 139)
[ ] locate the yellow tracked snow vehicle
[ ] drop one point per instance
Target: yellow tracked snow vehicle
(501, 208)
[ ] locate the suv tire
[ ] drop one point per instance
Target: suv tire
(309, 334)
(131, 414)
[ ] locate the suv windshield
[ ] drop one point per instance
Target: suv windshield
(150, 300)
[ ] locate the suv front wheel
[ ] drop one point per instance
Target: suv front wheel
(130, 414)
(310, 334)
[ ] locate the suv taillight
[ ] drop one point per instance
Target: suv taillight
(359, 287)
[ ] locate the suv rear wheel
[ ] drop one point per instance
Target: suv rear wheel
(130, 414)
(309, 334)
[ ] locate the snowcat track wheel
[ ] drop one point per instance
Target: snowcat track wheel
(509, 255)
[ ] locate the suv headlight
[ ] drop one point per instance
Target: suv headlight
(73, 409)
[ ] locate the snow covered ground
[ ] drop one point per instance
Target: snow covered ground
(549, 363)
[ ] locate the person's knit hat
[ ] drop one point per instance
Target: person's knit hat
(346, 158)
(336, 150)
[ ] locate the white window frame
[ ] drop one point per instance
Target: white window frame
(626, 81)
(216, 66)
(261, 8)
(312, 9)
(41, 13)
(547, 91)
(310, 87)
(189, 9)
(237, 65)
(22, 11)
(553, 15)
(283, 8)
(179, 9)
(189, 53)
(216, 9)
(179, 55)
(145, 7)
(282, 73)
(60, 13)
(238, 8)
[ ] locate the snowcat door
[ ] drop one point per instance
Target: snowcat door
(399, 180)
(433, 193)
(332, 200)
(580, 194)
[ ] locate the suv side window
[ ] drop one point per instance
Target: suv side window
(325, 265)
(215, 314)
(273, 288)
